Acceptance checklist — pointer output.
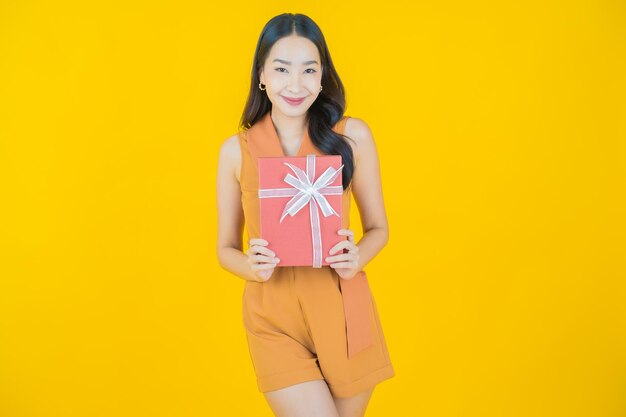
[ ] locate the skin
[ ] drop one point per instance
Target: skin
(296, 80)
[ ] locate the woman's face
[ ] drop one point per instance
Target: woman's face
(292, 70)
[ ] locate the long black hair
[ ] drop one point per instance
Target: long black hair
(329, 106)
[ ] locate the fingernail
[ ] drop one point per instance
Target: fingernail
(276, 260)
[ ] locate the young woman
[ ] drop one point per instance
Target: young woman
(314, 334)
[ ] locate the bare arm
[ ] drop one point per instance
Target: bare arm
(229, 212)
(253, 266)
(367, 191)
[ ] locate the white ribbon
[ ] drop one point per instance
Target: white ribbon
(305, 191)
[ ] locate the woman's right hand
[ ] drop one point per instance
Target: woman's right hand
(261, 259)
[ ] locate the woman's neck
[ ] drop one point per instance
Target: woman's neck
(289, 129)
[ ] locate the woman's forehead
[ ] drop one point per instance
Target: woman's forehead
(294, 50)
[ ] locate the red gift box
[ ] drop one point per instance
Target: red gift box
(300, 201)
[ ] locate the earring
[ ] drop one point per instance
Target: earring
(262, 89)
(320, 88)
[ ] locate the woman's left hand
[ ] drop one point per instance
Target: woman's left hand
(346, 264)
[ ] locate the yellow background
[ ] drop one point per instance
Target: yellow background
(501, 130)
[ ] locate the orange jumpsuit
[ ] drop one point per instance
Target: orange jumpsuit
(307, 323)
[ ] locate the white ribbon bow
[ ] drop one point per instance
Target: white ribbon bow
(305, 191)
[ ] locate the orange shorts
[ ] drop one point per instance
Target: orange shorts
(296, 332)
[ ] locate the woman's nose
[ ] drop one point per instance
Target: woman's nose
(294, 83)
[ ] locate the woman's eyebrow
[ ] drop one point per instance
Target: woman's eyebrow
(282, 61)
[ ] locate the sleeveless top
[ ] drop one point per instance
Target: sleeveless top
(261, 140)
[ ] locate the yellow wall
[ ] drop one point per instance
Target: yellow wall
(501, 130)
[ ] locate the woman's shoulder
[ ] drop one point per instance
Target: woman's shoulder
(230, 145)
(230, 153)
(359, 131)
(357, 128)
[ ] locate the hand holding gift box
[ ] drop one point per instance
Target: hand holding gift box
(300, 201)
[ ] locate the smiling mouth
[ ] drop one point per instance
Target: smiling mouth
(292, 100)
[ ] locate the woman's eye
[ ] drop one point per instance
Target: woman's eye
(311, 69)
